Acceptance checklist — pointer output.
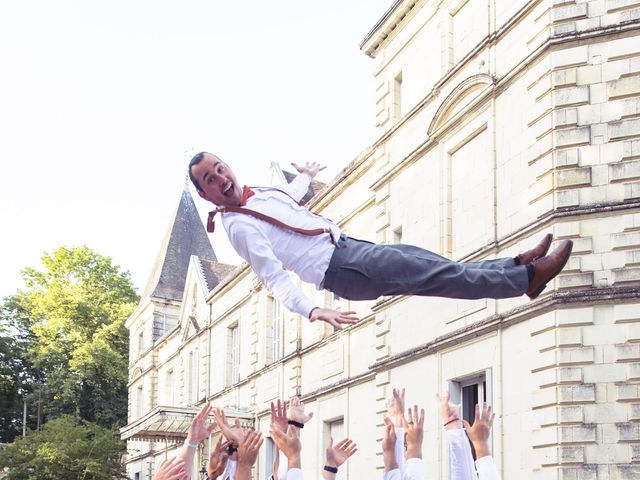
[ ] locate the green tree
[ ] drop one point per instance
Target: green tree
(17, 374)
(65, 448)
(77, 306)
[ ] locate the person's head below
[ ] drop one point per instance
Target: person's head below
(214, 180)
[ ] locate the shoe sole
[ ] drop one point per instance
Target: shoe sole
(541, 288)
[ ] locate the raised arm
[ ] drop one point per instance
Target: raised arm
(199, 430)
(414, 428)
(289, 443)
(336, 455)
(460, 457)
(479, 436)
(389, 440)
(395, 412)
(247, 454)
(300, 185)
(172, 469)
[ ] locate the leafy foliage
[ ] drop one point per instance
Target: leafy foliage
(77, 308)
(65, 448)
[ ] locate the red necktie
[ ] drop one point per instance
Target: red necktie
(246, 194)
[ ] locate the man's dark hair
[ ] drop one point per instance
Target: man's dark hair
(197, 158)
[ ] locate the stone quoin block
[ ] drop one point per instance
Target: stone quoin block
(624, 171)
(569, 12)
(624, 87)
(569, 96)
(574, 177)
(624, 129)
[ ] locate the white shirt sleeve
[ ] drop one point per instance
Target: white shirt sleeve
(460, 456)
(298, 187)
(487, 469)
(255, 248)
(230, 470)
(392, 475)
(283, 465)
(414, 469)
(400, 457)
(294, 474)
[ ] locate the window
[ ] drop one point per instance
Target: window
(269, 456)
(277, 320)
(335, 429)
(471, 391)
(468, 26)
(194, 374)
(233, 354)
(397, 97)
(471, 195)
(169, 387)
(139, 407)
(136, 476)
(397, 235)
(140, 343)
(338, 303)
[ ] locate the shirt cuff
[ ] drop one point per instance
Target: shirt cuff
(414, 469)
(487, 468)
(392, 475)
(294, 474)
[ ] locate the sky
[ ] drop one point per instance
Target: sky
(103, 103)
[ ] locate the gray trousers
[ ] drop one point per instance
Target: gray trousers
(361, 270)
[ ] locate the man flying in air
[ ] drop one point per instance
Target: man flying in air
(273, 233)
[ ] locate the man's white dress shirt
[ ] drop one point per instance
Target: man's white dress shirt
(461, 464)
(271, 250)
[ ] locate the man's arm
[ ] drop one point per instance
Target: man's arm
(300, 185)
(414, 426)
(247, 454)
(256, 249)
(479, 436)
(460, 456)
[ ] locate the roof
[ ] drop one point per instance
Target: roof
(186, 236)
(391, 19)
(215, 272)
(314, 187)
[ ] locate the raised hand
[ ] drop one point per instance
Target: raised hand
(172, 469)
(279, 416)
(249, 448)
(414, 429)
(339, 453)
(296, 411)
(234, 435)
(389, 445)
(310, 169)
(395, 407)
(199, 430)
(218, 458)
(481, 429)
(289, 443)
(449, 412)
(333, 317)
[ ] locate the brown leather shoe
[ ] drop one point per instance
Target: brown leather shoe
(538, 252)
(546, 268)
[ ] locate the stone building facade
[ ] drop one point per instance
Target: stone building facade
(499, 121)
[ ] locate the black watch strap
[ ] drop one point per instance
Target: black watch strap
(331, 469)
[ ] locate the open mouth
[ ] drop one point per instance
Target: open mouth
(228, 190)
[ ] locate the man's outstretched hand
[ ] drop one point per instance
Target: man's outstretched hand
(310, 169)
(333, 317)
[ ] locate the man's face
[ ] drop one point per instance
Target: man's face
(217, 182)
